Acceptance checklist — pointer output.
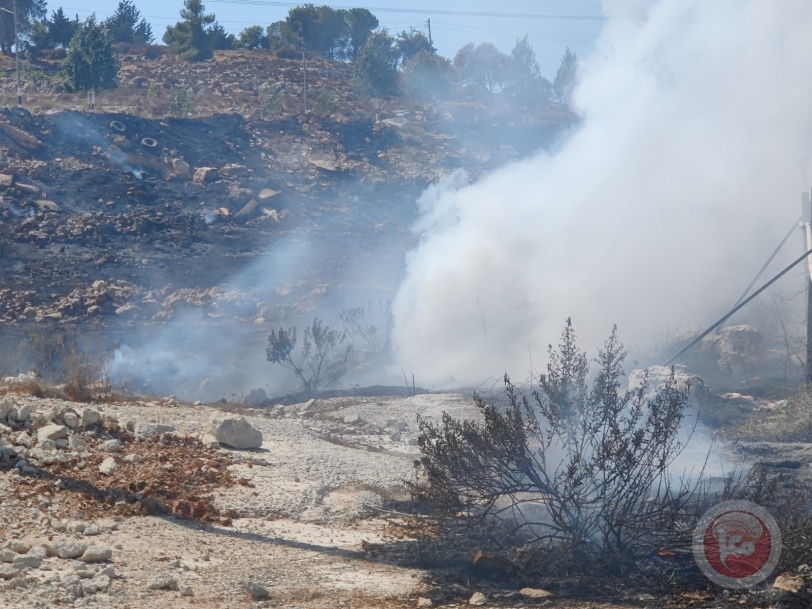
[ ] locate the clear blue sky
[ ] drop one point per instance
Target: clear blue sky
(549, 37)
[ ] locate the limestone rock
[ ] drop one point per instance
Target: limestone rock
(699, 395)
(52, 432)
(534, 593)
(163, 582)
(234, 431)
(477, 599)
(70, 548)
(90, 416)
(96, 554)
(145, 430)
(205, 174)
(257, 591)
(108, 467)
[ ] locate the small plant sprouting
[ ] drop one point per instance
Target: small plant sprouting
(272, 97)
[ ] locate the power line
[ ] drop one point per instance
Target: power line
(424, 11)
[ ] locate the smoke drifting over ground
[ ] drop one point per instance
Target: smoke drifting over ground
(679, 183)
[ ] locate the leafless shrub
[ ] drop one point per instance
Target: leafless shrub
(321, 360)
(360, 328)
(577, 472)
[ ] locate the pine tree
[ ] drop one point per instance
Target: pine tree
(91, 64)
(566, 78)
(60, 28)
(192, 36)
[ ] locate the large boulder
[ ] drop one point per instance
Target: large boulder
(732, 348)
(234, 431)
(657, 376)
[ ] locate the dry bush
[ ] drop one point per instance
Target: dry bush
(578, 473)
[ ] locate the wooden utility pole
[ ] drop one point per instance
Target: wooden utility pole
(428, 23)
(806, 223)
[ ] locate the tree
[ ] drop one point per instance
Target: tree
(126, 25)
(192, 36)
(279, 34)
(412, 43)
(28, 11)
(361, 24)
(253, 38)
(220, 39)
(60, 28)
(320, 29)
(566, 78)
(525, 86)
(321, 360)
(427, 75)
(376, 66)
(91, 63)
(579, 470)
(482, 68)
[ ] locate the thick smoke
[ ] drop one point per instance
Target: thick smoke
(655, 214)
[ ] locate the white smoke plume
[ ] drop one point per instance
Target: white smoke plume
(655, 214)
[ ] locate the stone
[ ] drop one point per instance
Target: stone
(732, 348)
(351, 419)
(52, 432)
(492, 564)
(90, 416)
(20, 547)
(267, 193)
(76, 443)
(96, 553)
(534, 593)
(134, 458)
(209, 441)
(7, 555)
(256, 397)
(145, 430)
(422, 601)
(92, 530)
(786, 582)
(6, 406)
(97, 584)
(234, 431)
(26, 560)
(180, 167)
(257, 591)
(8, 572)
(187, 591)
(163, 582)
(70, 548)
(108, 467)
(111, 446)
(205, 174)
(699, 395)
(25, 412)
(71, 419)
(75, 526)
(478, 599)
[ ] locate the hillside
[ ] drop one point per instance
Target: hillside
(167, 211)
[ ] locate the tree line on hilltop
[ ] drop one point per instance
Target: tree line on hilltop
(384, 64)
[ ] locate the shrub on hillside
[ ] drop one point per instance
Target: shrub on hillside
(578, 470)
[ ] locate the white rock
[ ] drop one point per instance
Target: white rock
(234, 431)
(108, 467)
(52, 432)
(70, 548)
(187, 591)
(7, 555)
(92, 530)
(8, 572)
(76, 443)
(96, 554)
(6, 406)
(97, 584)
(478, 599)
(163, 582)
(25, 412)
(90, 416)
(26, 560)
(134, 458)
(20, 547)
(71, 419)
(111, 446)
(145, 430)
(209, 441)
(75, 526)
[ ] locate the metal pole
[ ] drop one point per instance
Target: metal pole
(431, 44)
(17, 57)
(806, 204)
(304, 73)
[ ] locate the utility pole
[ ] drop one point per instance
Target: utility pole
(428, 23)
(304, 76)
(806, 224)
(17, 57)
(16, 52)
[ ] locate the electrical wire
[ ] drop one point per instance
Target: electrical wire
(739, 306)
